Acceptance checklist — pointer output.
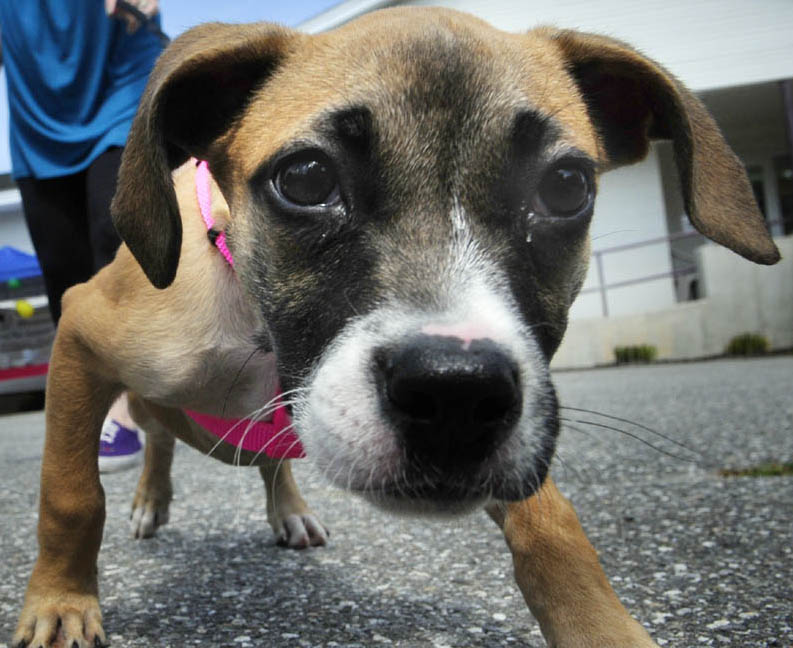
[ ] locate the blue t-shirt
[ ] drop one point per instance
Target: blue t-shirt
(74, 81)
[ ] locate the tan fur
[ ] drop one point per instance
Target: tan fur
(181, 345)
(559, 575)
(178, 347)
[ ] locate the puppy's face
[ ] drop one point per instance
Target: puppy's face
(410, 198)
(414, 241)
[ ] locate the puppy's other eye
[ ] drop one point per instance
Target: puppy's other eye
(565, 191)
(307, 180)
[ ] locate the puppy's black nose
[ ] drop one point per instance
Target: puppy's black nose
(451, 400)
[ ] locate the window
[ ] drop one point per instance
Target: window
(783, 170)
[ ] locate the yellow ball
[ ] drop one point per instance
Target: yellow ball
(25, 309)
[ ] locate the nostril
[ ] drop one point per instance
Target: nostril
(493, 409)
(415, 404)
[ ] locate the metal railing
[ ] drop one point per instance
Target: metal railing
(687, 270)
(603, 287)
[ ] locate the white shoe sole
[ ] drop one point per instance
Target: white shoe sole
(122, 462)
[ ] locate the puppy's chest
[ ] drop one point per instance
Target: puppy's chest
(232, 378)
(210, 361)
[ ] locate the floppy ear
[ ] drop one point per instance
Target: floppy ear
(632, 100)
(201, 83)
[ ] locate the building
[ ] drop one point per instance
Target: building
(647, 261)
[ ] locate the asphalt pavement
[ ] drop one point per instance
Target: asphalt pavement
(700, 559)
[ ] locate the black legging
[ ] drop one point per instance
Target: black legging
(69, 222)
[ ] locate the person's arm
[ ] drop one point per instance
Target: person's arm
(133, 12)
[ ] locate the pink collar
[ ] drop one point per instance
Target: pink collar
(274, 438)
(203, 190)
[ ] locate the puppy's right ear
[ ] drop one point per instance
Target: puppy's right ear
(201, 83)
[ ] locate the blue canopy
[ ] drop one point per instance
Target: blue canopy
(15, 264)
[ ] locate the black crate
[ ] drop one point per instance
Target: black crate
(24, 341)
(28, 287)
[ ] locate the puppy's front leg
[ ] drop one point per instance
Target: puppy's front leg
(292, 521)
(61, 598)
(154, 492)
(560, 577)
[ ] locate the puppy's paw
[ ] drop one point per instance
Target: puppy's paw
(69, 620)
(147, 515)
(301, 531)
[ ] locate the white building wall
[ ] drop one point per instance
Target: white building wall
(707, 44)
(740, 297)
(629, 209)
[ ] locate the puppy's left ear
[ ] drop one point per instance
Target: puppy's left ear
(200, 86)
(632, 100)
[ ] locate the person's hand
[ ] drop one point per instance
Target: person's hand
(134, 11)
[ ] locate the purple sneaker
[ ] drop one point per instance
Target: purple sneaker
(119, 447)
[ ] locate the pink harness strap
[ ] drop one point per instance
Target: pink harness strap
(273, 438)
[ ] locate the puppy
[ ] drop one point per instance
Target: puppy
(406, 200)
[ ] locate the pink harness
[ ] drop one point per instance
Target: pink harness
(273, 438)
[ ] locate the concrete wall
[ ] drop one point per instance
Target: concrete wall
(740, 297)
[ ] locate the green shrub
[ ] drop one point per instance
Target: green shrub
(747, 344)
(637, 353)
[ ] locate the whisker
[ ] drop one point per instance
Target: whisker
(620, 231)
(223, 438)
(236, 378)
(369, 483)
(275, 436)
(280, 462)
(567, 464)
(629, 422)
(586, 433)
(256, 415)
(239, 422)
(260, 414)
(630, 434)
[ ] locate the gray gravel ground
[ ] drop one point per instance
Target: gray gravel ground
(700, 559)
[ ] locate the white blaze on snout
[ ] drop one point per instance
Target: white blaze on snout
(458, 217)
(341, 421)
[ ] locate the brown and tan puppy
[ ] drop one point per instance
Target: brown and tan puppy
(408, 199)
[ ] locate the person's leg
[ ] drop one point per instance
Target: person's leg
(119, 445)
(55, 212)
(100, 183)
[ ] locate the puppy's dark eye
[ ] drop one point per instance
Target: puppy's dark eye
(307, 180)
(565, 191)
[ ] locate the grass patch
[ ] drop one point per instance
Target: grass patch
(635, 354)
(747, 344)
(771, 469)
